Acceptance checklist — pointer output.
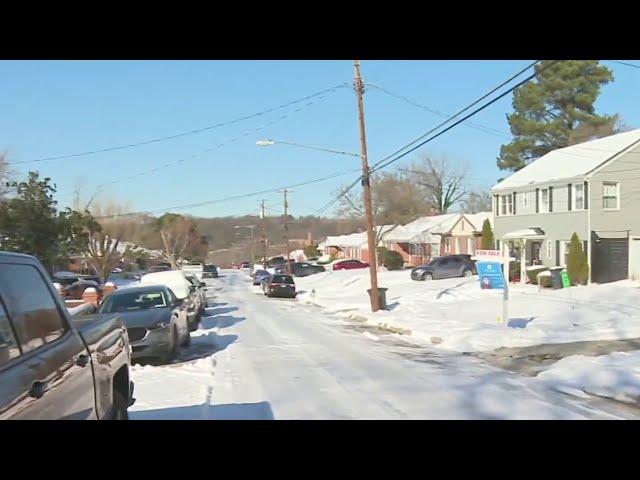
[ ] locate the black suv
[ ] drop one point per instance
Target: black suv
(210, 271)
(448, 266)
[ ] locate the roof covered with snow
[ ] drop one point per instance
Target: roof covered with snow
(421, 229)
(570, 162)
(355, 239)
(477, 219)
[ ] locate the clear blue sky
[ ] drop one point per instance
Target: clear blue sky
(54, 108)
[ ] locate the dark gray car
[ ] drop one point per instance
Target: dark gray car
(155, 319)
(445, 267)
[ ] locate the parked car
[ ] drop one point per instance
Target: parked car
(196, 269)
(259, 275)
(76, 290)
(158, 268)
(300, 269)
(210, 271)
(446, 267)
(349, 265)
(155, 318)
(69, 278)
(245, 266)
(183, 290)
(278, 285)
(54, 366)
(200, 291)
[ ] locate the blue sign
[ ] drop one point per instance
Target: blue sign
(491, 276)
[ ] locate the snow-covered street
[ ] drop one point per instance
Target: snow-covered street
(265, 358)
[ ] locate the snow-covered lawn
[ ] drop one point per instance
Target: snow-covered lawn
(614, 376)
(455, 314)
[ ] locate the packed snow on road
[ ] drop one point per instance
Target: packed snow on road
(260, 358)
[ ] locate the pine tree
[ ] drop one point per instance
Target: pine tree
(556, 110)
(487, 236)
(577, 265)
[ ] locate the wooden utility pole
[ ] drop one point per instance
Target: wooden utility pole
(286, 228)
(264, 233)
(366, 186)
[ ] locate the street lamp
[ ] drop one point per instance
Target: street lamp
(373, 262)
(268, 143)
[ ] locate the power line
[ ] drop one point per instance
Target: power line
(437, 112)
(183, 134)
(380, 166)
(619, 62)
(506, 82)
(146, 173)
(228, 199)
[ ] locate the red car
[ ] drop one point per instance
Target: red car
(350, 265)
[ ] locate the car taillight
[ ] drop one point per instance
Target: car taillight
(274, 285)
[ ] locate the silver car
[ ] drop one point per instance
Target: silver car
(155, 318)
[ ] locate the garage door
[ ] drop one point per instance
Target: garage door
(609, 259)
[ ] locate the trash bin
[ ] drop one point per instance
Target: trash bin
(382, 296)
(556, 276)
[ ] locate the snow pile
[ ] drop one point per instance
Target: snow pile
(467, 318)
(614, 376)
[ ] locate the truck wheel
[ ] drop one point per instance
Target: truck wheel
(120, 408)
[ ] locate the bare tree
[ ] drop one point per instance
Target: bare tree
(107, 230)
(477, 201)
(443, 180)
(396, 199)
(177, 233)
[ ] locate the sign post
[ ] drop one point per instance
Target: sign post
(493, 270)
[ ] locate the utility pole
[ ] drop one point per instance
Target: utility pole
(264, 234)
(366, 186)
(286, 228)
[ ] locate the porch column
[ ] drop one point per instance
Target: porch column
(523, 262)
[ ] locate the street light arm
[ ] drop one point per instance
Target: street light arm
(267, 143)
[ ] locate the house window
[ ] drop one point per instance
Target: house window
(578, 197)
(549, 249)
(471, 246)
(525, 199)
(435, 250)
(544, 200)
(447, 245)
(458, 245)
(610, 195)
(507, 204)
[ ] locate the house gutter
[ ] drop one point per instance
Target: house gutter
(590, 239)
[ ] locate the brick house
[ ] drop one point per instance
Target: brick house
(438, 235)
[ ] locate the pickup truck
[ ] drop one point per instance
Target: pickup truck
(53, 365)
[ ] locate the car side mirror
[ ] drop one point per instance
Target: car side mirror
(192, 288)
(178, 302)
(202, 284)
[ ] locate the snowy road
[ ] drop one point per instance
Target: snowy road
(276, 359)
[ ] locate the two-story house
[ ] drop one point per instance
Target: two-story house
(592, 189)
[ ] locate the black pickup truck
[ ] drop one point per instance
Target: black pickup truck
(54, 366)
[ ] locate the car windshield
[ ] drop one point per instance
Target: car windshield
(124, 302)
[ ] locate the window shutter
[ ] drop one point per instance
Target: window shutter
(551, 199)
(569, 194)
(585, 194)
(514, 202)
(557, 252)
(537, 200)
(497, 205)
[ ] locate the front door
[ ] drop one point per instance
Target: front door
(533, 255)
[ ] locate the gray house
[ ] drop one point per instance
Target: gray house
(592, 189)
